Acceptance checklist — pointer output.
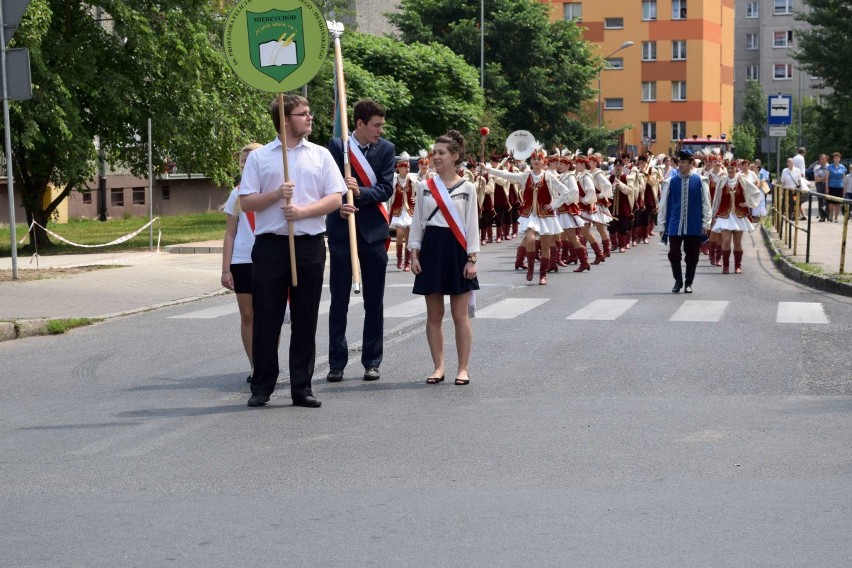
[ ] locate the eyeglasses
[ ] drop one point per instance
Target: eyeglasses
(308, 114)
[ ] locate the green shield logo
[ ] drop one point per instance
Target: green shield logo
(276, 42)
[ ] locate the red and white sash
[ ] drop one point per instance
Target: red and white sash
(364, 172)
(448, 210)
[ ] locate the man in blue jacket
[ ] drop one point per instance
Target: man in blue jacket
(372, 160)
(684, 218)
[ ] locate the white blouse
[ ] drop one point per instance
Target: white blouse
(463, 198)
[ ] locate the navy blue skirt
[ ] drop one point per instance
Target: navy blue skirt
(442, 262)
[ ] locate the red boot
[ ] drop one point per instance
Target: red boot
(542, 273)
(406, 267)
(705, 248)
(607, 248)
(514, 230)
(550, 261)
(561, 248)
(726, 261)
(538, 250)
(583, 256)
(599, 255)
(583, 240)
(531, 266)
(738, 262)
(483, 236)
(569, 255)
(399, 255)
(490, 234)
(520, 258)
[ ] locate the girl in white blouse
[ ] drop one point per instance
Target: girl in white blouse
(443, 252)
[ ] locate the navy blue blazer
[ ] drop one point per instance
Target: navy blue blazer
(370, 223)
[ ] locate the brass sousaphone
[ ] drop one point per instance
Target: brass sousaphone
(520, 144)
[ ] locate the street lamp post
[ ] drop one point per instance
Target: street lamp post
(624, 45)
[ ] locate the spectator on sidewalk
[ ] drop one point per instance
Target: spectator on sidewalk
(820, 179)
(792, 178)
(799, 160)
(836, 173)
(236, 257)
(847, 186)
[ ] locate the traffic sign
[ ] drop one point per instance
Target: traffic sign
(780, 112)
(777, 131)
(18, 74)
(13, 11)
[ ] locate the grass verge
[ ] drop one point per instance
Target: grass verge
(62, 325)
(177, 229)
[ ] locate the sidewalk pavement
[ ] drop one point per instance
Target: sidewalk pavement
(826, 239)
(141, 281)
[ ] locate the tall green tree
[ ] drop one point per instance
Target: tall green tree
(754, 114)
(824, 51)
(537, 72)
(100, 70)
(744, 141)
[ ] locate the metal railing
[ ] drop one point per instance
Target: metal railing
(786, 203)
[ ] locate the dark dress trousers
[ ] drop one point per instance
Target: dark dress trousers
(372, 232)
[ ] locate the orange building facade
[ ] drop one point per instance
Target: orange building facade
(677, 78)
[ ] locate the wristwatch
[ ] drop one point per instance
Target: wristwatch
(471, 258)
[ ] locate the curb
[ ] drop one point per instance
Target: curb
(796, 274)
(183, 249)
(19, 329)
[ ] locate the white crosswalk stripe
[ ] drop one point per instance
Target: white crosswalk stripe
(603, 310)
(325, 305)
(697, 310)
(210, 313)
(510, 308)
(800, 312)
(410, 309)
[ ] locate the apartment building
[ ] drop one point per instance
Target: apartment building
(765, 41)
(670, 66)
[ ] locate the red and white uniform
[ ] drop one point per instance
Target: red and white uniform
(734, 196)
(402, 202)
(541, 196)
(569, 212)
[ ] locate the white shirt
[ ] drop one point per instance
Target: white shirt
(799, 162)
(313, 172)
(463, 199)
(244, 239)
(792, 179)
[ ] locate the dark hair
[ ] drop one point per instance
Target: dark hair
(366, 109)
(290, 102)
(455, 142)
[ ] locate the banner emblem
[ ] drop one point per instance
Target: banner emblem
(276, 42)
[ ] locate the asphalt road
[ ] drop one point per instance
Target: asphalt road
(650, 439)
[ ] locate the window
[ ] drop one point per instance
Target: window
(166, 193)
(678, 9)
(614, 104)
(613, 23)
(679, 50)
(781, 71)
(783, 7)
(649, 130)
(753, 72)
(752, 9)
(649, 10)
(783, 39)
(649, 91)
(138, 196)
(751, 41)
(87, 197)
(649, 51)
(615, 63)
(678, 130)
(678, 90)
(574, 11)
(117, 196)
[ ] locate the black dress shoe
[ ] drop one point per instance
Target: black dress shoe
(258, 400)
(248, 379)
(334, 376)
(688, 289)
(307, 401)
(371, 374)
(676, 288)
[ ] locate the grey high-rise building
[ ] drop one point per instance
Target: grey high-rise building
(764, 45)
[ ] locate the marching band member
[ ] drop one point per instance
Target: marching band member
(543, 193)
(485, 199)
(588, 210)
(683, 218)
(713, 176)
(401, 208)
(502, 207)
(603, 194)
(734, 195)
(623, 198)
(569, 214)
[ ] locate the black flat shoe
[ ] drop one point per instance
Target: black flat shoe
(434, 380)
(258, 400)
(248, 379)
(676, 288)
(462, 382)
(307, 401)
(334, 376)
